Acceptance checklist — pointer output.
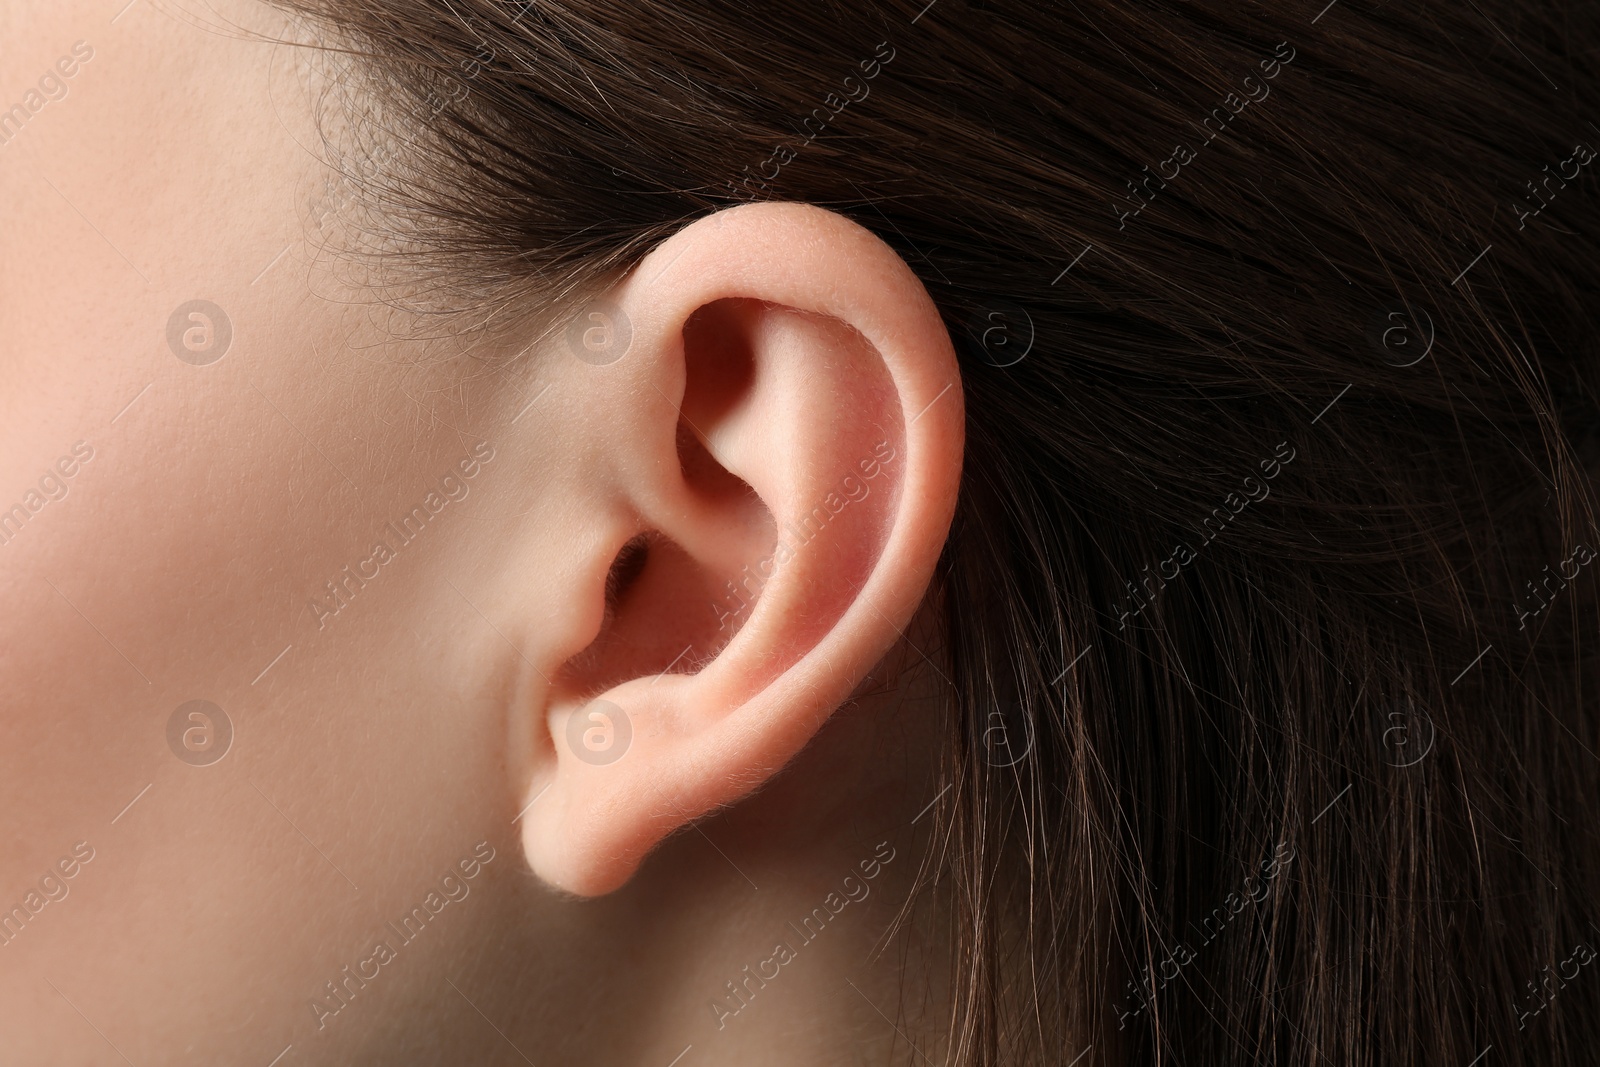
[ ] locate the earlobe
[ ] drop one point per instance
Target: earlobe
(793, 459)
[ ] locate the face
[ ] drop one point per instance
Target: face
(248, 711)
(307, 605)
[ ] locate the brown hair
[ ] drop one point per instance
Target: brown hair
(1272, 563)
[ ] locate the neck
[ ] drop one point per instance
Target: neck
(777, 933)
(772, 934)
(789, 940)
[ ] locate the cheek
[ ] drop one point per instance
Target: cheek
(221, 495)
(127, 577)
(179, 568)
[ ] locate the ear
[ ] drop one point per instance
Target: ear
(781, 465)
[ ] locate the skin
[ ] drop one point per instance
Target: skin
(427, 723)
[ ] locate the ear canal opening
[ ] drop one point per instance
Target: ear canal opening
(667, 610)
(625, 571)
(660, 617)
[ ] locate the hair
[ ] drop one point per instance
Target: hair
(1266, 610)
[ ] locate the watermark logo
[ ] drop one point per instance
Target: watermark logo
(600, 334)
(1004, 333)
(199, 733)
(199, 333)
(1409, 736)
(600, 733)
(1007, 737)
(1403, 336)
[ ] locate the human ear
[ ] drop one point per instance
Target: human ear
(776, 353)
